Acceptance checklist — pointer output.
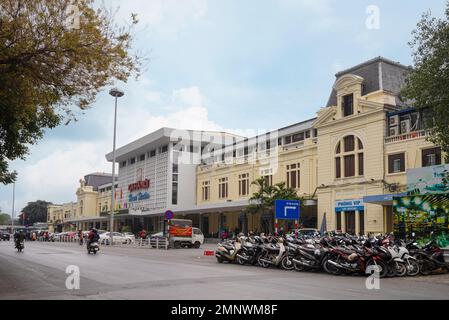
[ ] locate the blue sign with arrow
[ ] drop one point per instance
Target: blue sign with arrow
(287, 209)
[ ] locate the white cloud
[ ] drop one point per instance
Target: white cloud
(54, 167)
(188, 96)
(164, 16)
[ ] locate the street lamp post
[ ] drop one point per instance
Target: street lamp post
(116, 93)
(13, 201)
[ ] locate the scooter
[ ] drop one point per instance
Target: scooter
(227, 251)
(276, 255)
(20, 246)
(93, 247)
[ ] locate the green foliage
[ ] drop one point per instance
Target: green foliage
(50, 71)
(428, 83)
(126, 229)
(266, 195)
(5, 219)
(35, 212)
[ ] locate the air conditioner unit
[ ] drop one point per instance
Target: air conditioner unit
(394, 131)
(394, 120)
(405, 126)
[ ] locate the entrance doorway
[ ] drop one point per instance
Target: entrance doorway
(350, 222)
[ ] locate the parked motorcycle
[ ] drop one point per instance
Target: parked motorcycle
(276, 254)
(250, 251)
(311, 257)
(227, 251)
(344, 260)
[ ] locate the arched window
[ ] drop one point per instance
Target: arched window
(349, 159)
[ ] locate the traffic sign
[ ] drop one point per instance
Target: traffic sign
(288, 209)
(169, 215)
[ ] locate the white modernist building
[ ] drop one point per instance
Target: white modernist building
(153, 170)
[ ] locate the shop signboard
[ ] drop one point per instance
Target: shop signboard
(349, 205)
(428, 180)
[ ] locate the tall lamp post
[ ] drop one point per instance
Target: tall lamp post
(13, 201)
(116, 93)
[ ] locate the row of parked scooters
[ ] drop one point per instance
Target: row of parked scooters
(335, 254)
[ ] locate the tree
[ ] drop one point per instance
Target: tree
(428, 83)
(263, 200)
(55, 57)
(34, 212)
(5, 219)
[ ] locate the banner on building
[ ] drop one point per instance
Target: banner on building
(428, 180)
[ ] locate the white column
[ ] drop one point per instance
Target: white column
(357, 222)
(343, 221)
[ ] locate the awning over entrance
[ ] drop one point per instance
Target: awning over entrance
(383, 199)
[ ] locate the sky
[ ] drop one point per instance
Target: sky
(240, 66)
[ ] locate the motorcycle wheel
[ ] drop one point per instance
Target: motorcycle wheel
(287, 263)
(383, 269)
(331, 269)
(412, 268)
(401, 269)
(391, 270)
(241, 261)
(299, 267)
(262, 263)
(219, 260)
(426, 267)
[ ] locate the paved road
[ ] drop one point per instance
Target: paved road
(130, 273)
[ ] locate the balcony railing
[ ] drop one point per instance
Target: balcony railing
(408, 136)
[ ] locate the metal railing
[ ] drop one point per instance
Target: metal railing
(157, 243)
(408, 136)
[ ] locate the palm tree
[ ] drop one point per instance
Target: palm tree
(263, 200)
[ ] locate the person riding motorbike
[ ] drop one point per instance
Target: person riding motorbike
(92, 237)
(19, 237)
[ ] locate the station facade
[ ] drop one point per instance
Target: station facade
(348, 163)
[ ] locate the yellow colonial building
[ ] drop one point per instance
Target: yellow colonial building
(90, 210)
(351, 159)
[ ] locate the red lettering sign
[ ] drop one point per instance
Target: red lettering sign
(141, 185)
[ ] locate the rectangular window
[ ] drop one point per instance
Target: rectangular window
(396, 163)
(152, 153)
(132, 161)
(361, 165)
(142, 157)
(123, 164)
(338, 168)
(243, 184)
(298, 137)
(206, 190)
(349, 166)
(293, 176)
(175, 193)
(223, 188)
(307, 134)
(268, 180)
(163, 149)
(315, 133)
(431, 157)
(348, 105)
(288, 140)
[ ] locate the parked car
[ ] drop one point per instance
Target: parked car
(105, 238)
(5, 236)
(130, 236)
(310, 232)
